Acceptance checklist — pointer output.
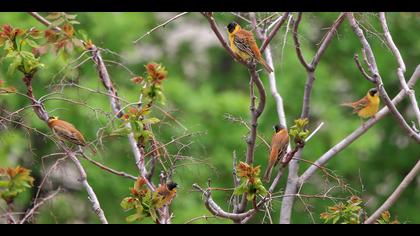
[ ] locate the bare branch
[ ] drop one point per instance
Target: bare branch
(44, 21)
(92, 196)
(43, 115)
(297, 43)
(293, 178)
(109, 169)
(274, 31)
(395, 195)
(378, 80)
(116, 108)
(38, 205)
(357, 133)
(360, 67)
(401, 70)
(327, 39)
(216, 210)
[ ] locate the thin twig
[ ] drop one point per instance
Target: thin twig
(360, 67)
(38, 205)
(274, 32)
(161, 25)
(109, 169)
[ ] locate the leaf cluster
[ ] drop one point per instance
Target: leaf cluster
(14, 181)
(250, 181)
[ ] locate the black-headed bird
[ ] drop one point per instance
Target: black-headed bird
(243, 44)
(167, 191)
(278, 149)
(366, 107)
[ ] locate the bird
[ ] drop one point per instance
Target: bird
(278, 148)
(65, 131)
(167, 191)
(243, 44)
(367, 106)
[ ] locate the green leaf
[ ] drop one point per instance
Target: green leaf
(127, 203)
(32, 43)
(250, 196)
(70, 16)
(151, 121)
(74, 22)
(120, 132)
(133, 218)
(4, 183)
(57, 22)
(241, 189)
(335, 220)
(54, 15)
(153, 214)
(146, 134)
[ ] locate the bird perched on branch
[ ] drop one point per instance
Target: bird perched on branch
(65, 131)
(167, 191)
(367, 106)
(278, 149)
(243, 44)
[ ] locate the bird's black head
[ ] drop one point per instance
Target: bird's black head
(373, 91)
(231, 26)
(277, 128)
(171, 185)
(51, 118)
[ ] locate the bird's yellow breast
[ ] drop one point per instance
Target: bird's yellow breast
(371, 108)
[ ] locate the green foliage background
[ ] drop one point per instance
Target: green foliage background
(203, 85)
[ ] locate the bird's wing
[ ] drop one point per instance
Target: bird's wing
(281, 145)
(359, 105)
(69, 135)
(244, 41)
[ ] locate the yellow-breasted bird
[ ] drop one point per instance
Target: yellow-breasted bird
(367, 106)
(167, 191)
(243, 44)
(65, 131)
(278, 149)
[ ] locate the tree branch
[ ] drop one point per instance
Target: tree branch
(327, 40)
(378, 80)
(401, 70)
(360, 67)
(357, 133)
(216, 210)
(116, 108)
(395, 195)
(297, 43)
(293, 178)
(38, 205)
(92, 196)
(268, 39)
(109, 169)
(43, 115)
(161, 25)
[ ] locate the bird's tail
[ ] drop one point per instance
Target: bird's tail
(266, 67)
(267, 174)
(347, 104)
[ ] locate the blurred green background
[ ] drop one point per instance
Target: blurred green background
(204, 85)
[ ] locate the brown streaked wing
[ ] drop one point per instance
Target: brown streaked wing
(71, 136)
(359, 105)
(242, 45)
